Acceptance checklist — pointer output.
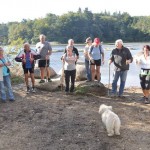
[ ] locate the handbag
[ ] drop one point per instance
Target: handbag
(8, 70)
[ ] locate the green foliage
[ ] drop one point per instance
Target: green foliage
(77, 25)
(16, 80)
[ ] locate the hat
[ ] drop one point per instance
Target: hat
(88, 39)
(97, 40)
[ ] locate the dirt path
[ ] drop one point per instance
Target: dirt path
(55, 121)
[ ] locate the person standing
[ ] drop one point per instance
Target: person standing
(121, 57)
(45, 50)
(144, 62)
(96, 56)
(75, 50)
(69, 68)
(5, 81)
(27, 59)
(85, 52)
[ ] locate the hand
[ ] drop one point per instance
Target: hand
(109, 62)
(31, 59)
(24, 60)
(103, 61)
(47, 57)
(92, 60)
(128, 61)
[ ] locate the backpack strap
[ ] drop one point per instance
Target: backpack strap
(91, 49)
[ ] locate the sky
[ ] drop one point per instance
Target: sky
(16, 10)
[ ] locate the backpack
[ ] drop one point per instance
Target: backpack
(91, 49)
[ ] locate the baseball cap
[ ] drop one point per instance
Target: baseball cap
(88, 39)
(97, 40)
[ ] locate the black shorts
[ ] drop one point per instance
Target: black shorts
(96, 62)
(30, 70)
(42, 63)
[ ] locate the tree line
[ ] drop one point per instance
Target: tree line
(78, 25)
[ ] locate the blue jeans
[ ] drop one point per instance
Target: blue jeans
(6, 83)
(88, 71)
(123, 76)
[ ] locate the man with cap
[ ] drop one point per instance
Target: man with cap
(96, 56)
(85, 52)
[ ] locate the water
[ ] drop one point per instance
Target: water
(133, 73)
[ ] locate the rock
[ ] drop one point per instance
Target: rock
(93, 88)
(48, 86)
(37, 72)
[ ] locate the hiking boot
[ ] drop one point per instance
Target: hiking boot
(28, 90)
(49, 80)
(42, 81)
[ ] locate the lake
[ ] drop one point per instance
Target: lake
(133, 73)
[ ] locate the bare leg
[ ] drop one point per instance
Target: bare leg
(32, 79)
(42, 69)
(26, 79)
(93, 72)
(98, 72)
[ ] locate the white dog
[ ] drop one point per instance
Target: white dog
(110, 120)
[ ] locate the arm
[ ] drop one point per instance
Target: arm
(129, 57)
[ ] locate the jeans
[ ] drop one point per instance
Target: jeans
(88, 71)
(68, 74)
(6, 83)
(123, 76)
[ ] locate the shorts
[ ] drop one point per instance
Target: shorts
(30, 70)
(96, 62)
(42, 63)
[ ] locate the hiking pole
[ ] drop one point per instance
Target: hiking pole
(62, 76)
(109, 82)
(46, 71)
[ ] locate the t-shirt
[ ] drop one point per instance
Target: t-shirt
(145, 64)
(69, 62)
(28, 62)
(96, 52)
(3, 70)
(43, 48)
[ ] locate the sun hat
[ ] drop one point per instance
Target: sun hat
(88, 39)
(97, 40)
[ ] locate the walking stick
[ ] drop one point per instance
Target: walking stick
(62, 76)
(46, 71)
(109, 82)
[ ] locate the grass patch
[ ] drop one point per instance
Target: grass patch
(81, 90)
(17, 80)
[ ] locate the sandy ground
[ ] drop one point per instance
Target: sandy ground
(55, 121)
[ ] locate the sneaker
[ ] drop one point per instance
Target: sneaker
(142, 99)
(3, 101)
(33, 90)
(41, 81)
(28, 90)
(49, 80)
(11, 100)
(112, 95)
(121, 96)
(146, 101)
